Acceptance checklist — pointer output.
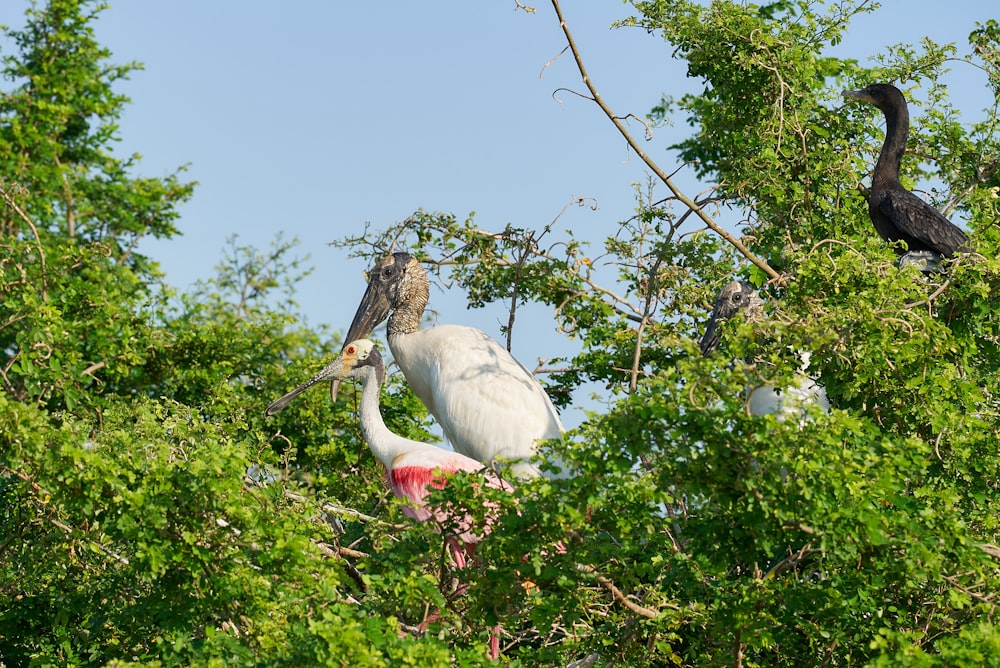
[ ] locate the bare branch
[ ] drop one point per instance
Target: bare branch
(552, 60)
(586, 662)
(663, 176)
(621, 597)
(335, 509)
(791, 562)
(990, 549)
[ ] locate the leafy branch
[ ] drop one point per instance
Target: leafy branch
(9, 201)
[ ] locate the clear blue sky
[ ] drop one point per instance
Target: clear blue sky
(313, 117)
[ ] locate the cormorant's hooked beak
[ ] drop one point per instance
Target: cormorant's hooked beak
(334, 371)
(373, 309)
(859, 95)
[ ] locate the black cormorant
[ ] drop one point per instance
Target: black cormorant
(898, 214)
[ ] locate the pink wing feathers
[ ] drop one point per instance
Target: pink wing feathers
(413, 474)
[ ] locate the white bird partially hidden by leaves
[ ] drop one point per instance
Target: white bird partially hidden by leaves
(412, 468)
(740, 297)
(489, 406)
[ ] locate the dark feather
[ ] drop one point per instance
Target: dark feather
(898, 214)
(917, 223)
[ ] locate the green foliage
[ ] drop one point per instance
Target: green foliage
(56, 127)
(702, 535)
(150, 515)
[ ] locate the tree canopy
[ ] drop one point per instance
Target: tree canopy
(151, 516)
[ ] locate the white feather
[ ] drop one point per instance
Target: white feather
(488, 405)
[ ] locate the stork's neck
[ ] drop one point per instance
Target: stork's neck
(384, 444)
(897, 128)
(406, 315)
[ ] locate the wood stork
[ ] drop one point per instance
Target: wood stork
(741, 296)
(897, 213)
(489, 406)
(412, 467)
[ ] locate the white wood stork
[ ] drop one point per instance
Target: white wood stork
(412, 467)
(741, 296)
(489, 406)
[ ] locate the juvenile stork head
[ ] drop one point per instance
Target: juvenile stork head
(353, 362)
(735, 297)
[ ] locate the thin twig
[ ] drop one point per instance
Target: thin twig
(552, 60)
(642, 611)
(343, 553)
(70, 531)
(647, 311)
(663, 176)
(990, 549)
(518, 268)
(334, 509)
(34, 230)
(791, 562)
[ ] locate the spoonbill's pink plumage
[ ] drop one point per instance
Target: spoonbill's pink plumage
(413, 468)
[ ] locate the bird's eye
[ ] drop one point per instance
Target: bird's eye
(351, 350)
(737, 297)
(387, 271)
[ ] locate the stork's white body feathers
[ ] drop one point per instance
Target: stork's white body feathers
(792, 400)
(488, 405)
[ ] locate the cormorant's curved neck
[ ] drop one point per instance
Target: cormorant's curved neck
(897, 129)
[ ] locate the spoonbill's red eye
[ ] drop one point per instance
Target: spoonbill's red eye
(351, 350)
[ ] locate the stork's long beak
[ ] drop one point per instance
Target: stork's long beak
(373, 309)
(334, 371)
(710, 341)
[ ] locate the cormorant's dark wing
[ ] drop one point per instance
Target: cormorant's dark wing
(917, 219)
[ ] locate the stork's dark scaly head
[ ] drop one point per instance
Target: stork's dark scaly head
(884, 96)
(352, 363)
(735, 297)
(395, 281)
(397, 284)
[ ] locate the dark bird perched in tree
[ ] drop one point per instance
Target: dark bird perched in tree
(740, 296)
(735, 297)
(898, 214)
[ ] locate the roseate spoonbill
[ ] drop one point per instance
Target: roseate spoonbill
(488, 405)
(740, 296)
(412, 467)
(898, 214)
